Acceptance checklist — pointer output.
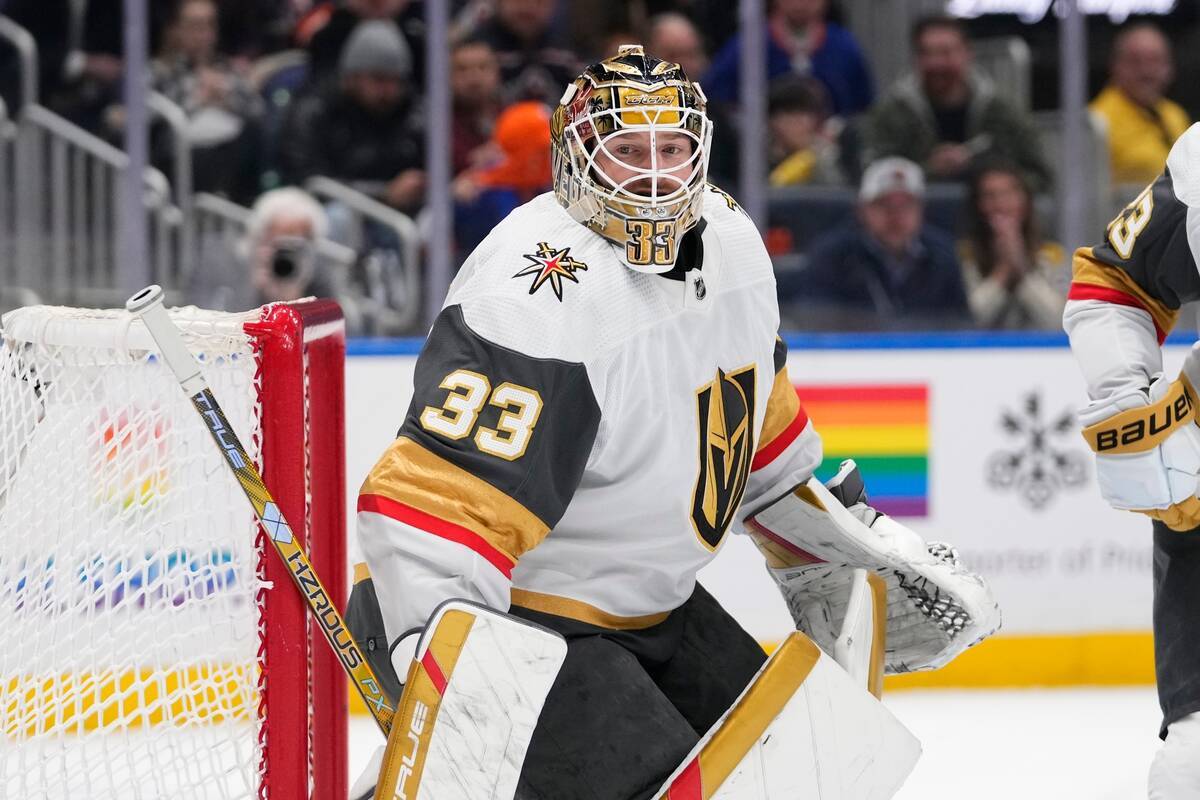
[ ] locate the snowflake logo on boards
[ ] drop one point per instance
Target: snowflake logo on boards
(1039, 467)
(551, 266)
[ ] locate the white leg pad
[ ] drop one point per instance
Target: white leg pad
(473, 695)
(803, 728)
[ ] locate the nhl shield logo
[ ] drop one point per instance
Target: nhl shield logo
(725, 410)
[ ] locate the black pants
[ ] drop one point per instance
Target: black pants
(1176, 622)
(627, 706)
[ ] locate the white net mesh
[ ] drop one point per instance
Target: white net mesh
(128, 571)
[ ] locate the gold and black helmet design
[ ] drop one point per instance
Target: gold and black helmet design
(630, 141)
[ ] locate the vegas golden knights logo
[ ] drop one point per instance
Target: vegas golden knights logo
(725, 408)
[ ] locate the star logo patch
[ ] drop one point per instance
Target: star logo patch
(551, 266)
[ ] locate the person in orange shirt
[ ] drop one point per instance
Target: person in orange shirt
(514, 168)
(1142, 123)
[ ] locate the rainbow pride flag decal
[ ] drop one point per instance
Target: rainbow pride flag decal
(883, 427)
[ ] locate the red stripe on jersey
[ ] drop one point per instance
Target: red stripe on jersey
(865, 393)
(688, 786)
(388, 507)
(434, 670)
(772, 449)
(1089, 291)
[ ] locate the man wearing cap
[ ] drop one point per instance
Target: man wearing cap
(361, 129)
(888, 269)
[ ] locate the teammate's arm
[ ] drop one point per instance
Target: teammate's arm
(491, 450)
(1124, 299)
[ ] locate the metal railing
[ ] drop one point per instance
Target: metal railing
(175, 118)
(60, 209)
(27, 51)
(390, 278)
(59, 201)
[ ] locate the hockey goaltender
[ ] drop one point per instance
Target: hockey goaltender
(602, 398)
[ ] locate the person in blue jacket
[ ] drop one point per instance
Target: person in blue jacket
(800, 40)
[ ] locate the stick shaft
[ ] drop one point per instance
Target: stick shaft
(267, 511)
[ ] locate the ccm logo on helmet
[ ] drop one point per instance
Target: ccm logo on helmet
(1159, 420)
(648, 100)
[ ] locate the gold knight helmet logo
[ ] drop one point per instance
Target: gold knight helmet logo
(725, 409)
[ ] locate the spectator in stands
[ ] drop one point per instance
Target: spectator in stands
(475, 96)
(803, 146)
(1142, 123)
(888, 269)
(535, 63)
(671, 36)
(800, 40)
(221, 107)
(254, 28)
(947, 115)
(94, 72)
(329, 37)
(362, 130)
(518, 172)
(1012, 276)
(276, 259)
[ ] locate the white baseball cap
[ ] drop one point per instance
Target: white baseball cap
(893, 174)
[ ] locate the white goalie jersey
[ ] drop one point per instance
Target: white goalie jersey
(582, 437)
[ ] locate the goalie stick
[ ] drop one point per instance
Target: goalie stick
(148, 306)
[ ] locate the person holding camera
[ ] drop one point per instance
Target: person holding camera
(276, 258)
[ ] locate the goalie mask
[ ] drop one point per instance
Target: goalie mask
(630, 146)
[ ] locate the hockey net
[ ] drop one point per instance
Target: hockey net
(152, 646)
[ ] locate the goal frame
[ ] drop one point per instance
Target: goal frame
(289, 359)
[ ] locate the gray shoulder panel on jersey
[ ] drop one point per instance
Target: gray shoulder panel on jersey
(1155, 250)
(780, 355)
(544, 476)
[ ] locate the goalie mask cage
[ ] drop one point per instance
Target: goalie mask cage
(153, 646)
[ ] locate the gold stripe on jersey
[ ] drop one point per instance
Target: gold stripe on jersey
(1087, 269)
(582, 612)
(361, 573)
(782, 407)
(410, 474)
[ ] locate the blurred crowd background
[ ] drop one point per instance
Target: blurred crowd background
(911, 148)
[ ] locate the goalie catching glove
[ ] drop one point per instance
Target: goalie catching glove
(814, 538)
(1147, 447)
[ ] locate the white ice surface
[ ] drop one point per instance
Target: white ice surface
(1069, 744)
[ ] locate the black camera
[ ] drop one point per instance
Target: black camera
(291, 258)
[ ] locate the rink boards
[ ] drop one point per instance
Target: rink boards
(969, 439)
